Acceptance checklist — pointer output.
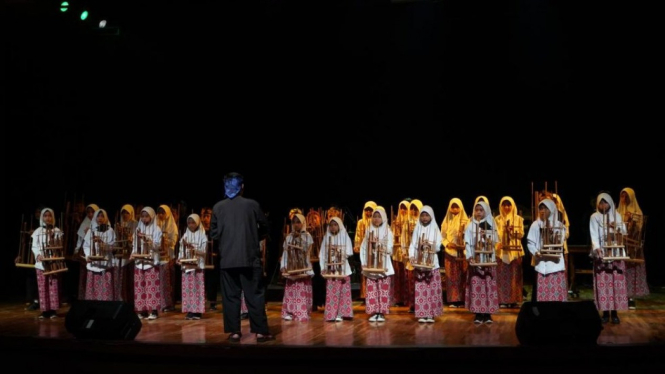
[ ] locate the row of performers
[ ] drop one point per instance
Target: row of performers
(451, 257)
(482, 259)
(148, 245)
(456, 273)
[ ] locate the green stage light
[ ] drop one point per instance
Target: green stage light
(64, 6)
(84, 15)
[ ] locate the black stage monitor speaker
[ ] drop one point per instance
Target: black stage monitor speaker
(113, 320)
(546, 323)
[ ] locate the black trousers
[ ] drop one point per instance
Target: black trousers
(234, 282)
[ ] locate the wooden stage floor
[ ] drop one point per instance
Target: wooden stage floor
(173, 343)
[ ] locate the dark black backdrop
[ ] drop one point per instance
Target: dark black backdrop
(331, 102)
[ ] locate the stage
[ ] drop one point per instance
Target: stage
(173, 344)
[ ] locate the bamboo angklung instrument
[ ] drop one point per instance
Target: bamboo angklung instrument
(25, 257)
(483, 247)
(53, 257)
(612, 239)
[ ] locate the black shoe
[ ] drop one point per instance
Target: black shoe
(235, 337)
(196, 316)
(44, 315)
(264, 338)
(606, 317)
(189, 316)
(213, 306)
(478, 319)
(631, 304)
(244, 315)
(615, 317)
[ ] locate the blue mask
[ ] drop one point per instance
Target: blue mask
(232, 186)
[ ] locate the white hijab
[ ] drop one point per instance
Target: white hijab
(383, 231)
(94, 225)
(41, 217)
(610, 212)
(553, 219)
(197, 236)
(488, 214)
(341, 238)
(142, 226)
(431, 230)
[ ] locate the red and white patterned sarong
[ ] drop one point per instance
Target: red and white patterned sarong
(428, 293)
(147, 290)
(378, 295)
(481, 290)
(167, 282)
(456, 273)
(99, 285)
(509, 281)
(636, 279)
(338, 299)
(298, 299)
(552, 286)
(193, 292)
(609, 285)
(49, 291)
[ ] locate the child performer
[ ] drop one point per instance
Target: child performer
(169, 227)
(148, 240)
(361, 227)
(378, 241)
(337, 247)
(90, 210)
(510, 227)
(123, 269)
(636, 272)
(609, 280)
(48, 285)
(98, 242)
(482, 296)
(426, 243)
(550, 282)
(298, 299)
(193, 245)
(402, 240)
(452, 232)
